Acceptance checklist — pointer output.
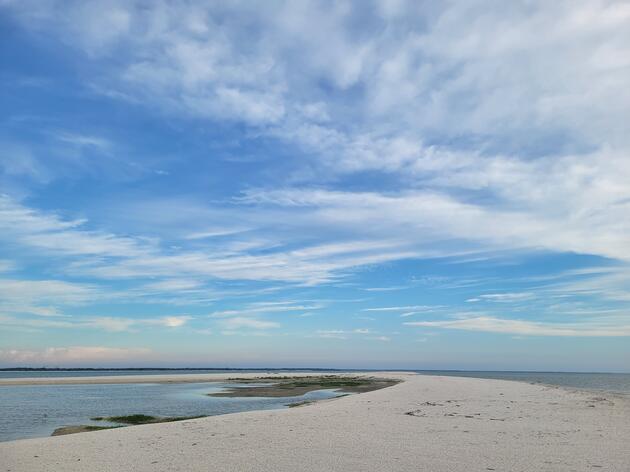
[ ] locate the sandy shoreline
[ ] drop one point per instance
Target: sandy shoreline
(424, 423)
(157, 378)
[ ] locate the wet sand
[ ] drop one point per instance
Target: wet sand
(425, 423)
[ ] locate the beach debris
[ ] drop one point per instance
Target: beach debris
(418, 413)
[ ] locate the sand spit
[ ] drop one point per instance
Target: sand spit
(426, 423)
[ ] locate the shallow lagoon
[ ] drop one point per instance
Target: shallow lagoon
(37, 410)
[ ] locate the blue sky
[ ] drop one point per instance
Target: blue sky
(341, 184)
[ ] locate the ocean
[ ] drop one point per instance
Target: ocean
(596, 382)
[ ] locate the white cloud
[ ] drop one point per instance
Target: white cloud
(331, 334)
(125, 324)
(214, 233)
(343, 334)
(408, 78)
(104, 323)
(173, 321)
(386, 289)
(532, 328)
(50, 232)
(106, 255)
(610, 283)
(407, 308)
(81, 140)
(420, 223)
(72, 355)
(170, 285)
(406, 72)
(46, 291)
(508, 297)
(14, 215)
(243, 322)
(495, 137)
(107, 323)
(43, 297)
(6, 266)
(265, 307)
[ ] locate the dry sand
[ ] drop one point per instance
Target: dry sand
(422, 424)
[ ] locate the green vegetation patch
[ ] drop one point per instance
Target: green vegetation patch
(122, 420)
(79, 429)
(297, 386)
(143, 419)
(129, 419)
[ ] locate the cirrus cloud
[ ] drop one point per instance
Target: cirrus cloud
(532, 328)
(72, 355)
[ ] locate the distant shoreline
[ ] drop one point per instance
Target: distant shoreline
(294, 369)
(129, 379)
(122, 369)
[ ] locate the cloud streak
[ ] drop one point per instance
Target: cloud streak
(72, 355)
(530, 328)
(238, 322)
(114, 324)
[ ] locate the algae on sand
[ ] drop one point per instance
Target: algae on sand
(143, 419)
(297, 386)
(85, 428)
(128, 420)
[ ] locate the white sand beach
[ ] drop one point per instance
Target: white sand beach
(425, 423)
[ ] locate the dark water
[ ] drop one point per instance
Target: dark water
(613, 383)
(29, 411)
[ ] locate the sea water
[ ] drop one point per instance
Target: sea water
(28, 411)
(598, 382)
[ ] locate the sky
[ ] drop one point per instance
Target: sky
(387, 184)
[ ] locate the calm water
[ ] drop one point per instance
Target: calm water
(30, 411)
(614, 383)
